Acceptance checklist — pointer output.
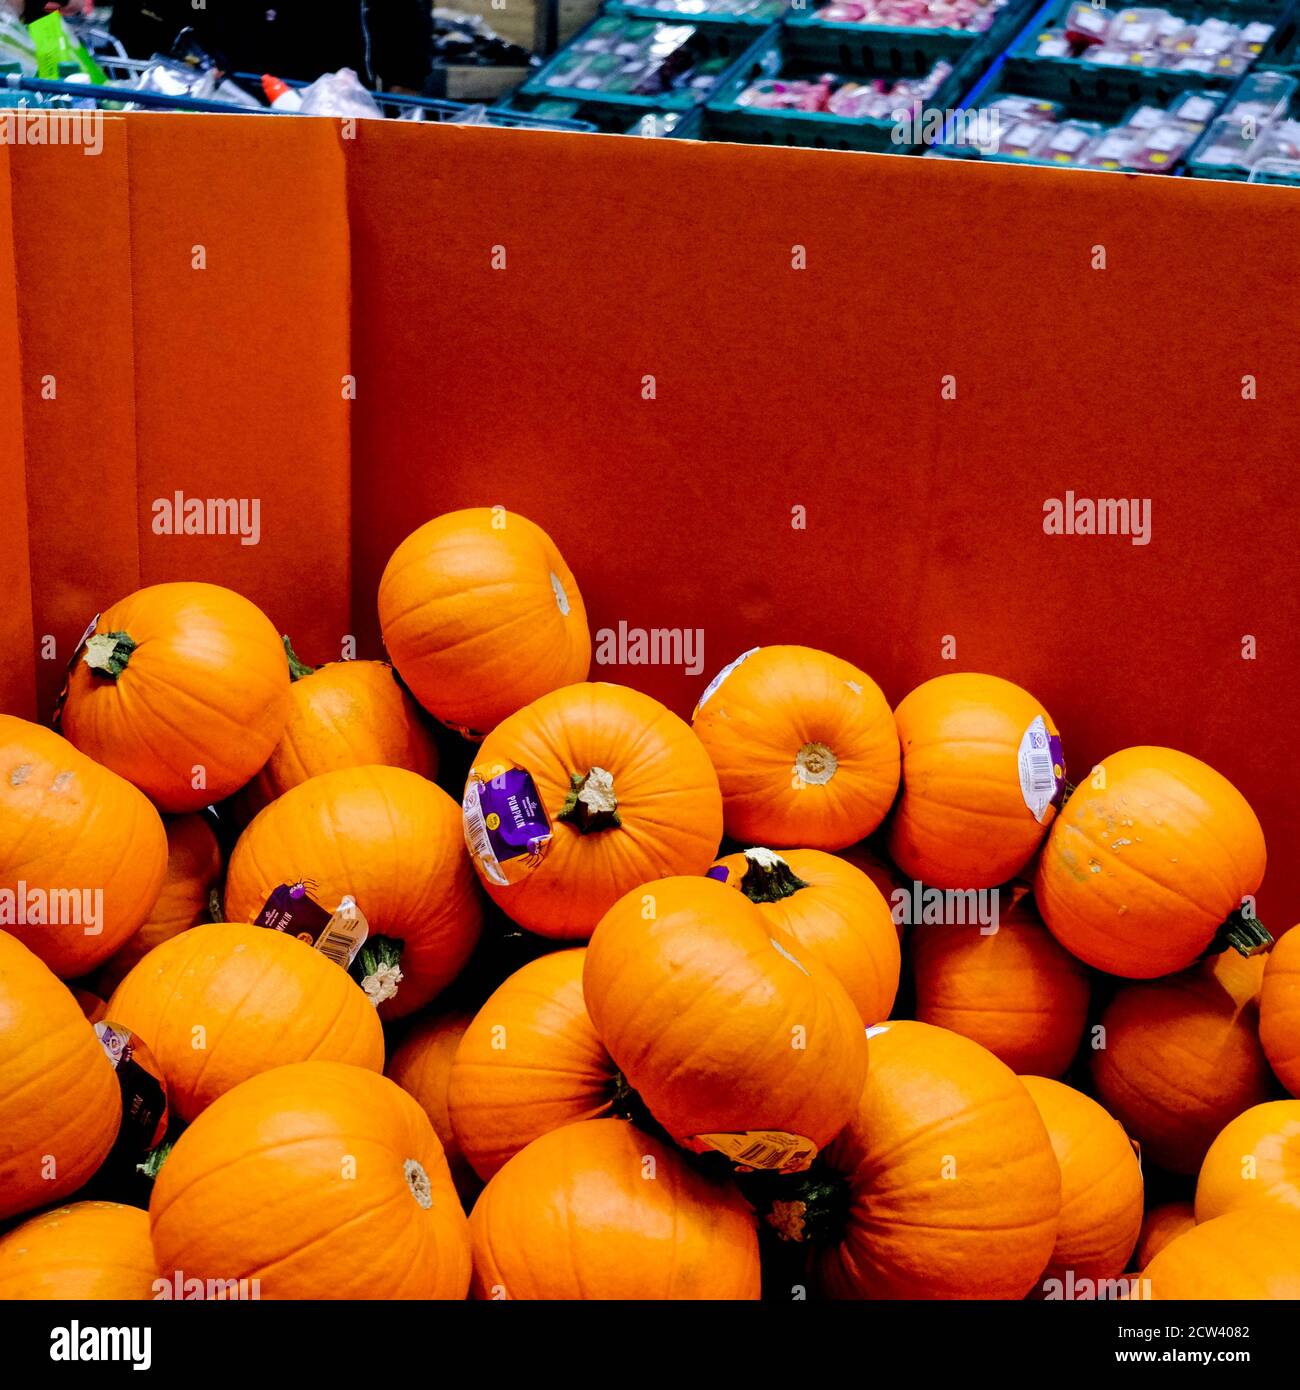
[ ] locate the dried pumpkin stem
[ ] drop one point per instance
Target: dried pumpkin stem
(768, 878)
(591, 804)
(809, 1208)
(297, 667)
(1248, 935)
(107, 653)
(378, 968)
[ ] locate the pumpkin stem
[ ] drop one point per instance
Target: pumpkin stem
(108, 652)
(591, 804)
(768, 878)
(378, 968)
(154, 1159)
(809, 1208)
(417, 1182)
(1248, 935)
(216, 908)
(297, 668)
(815, 764)
(1068, 791)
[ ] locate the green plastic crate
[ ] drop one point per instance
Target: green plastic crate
(616, 111)
(891, 49)
(753, 25)
(726, 119)
(1282, 53)
(1105, 86)
(1200, 166)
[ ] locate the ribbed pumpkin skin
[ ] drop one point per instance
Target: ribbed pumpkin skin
(89, 1250)
(759, 726)
(668, 802)
(1251, 1254)
(421, 1066)
(1255, 1160)
(68, 824)
(344, 714)
(1136, 879)
(1279, 1010)
(59, 1099)
(1014, 991)
(324, 1147)
(841, 919)
(701, 1009)
(934, 1104)
(262, 998)
(482, 616)
(529, 1062)
(961, 820)
(1161, 1225)
(599, 1210)
(206, 686)
(394, 842)
(1101, 1183)
(1181, 1059)
(193, 869)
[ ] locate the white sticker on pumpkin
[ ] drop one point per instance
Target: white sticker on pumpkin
(722, 675)
(762, 1150)
(1041, 767)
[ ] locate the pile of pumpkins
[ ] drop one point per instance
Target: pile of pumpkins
(777, 1003)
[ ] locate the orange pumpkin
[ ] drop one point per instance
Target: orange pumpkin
(1138, 876)
(91, 1005)
(734, 1037)
(421, 1066)
(599, 1210)
(1161, 1225)
(1181, 1057)
(529, 1063)
(879, 870)
(59, 1101)
(183, 690)
(1279, 1010)
(482, 616)
(627, 790)
(222, 1002)
(833, 911)
(1254, 1160)
(90, 1250)
(981, 770)
(343, 714)
(1251, 1254)
(953, 1190)
(193, 870)
(1101, 1184)
(804, 745)
(82, 853)
(391, 840)
(1013, 990)
(350, 1172)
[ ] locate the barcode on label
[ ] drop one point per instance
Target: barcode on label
(476, 837)
(344, 934)
(336, 947)
(766, 1150)
(1041, 776)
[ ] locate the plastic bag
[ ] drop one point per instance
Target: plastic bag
(339, 94)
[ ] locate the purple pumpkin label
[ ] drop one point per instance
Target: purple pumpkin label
(289, 909)
(720, 872)
(1042, 769)
(514, 818)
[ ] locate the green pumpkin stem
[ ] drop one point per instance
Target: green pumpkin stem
(1248, 935)
(297, 668)
(1068, 792)
(150, 1164)
(377, 968)
(108, 652)
(591, 804)
(768, 878)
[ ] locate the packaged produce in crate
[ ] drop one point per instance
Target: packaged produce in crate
(755, 11)
(969, 16)
(1254, 125)
(635, 57)
(832, 94)
(1150, 138)
(1149, 37)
